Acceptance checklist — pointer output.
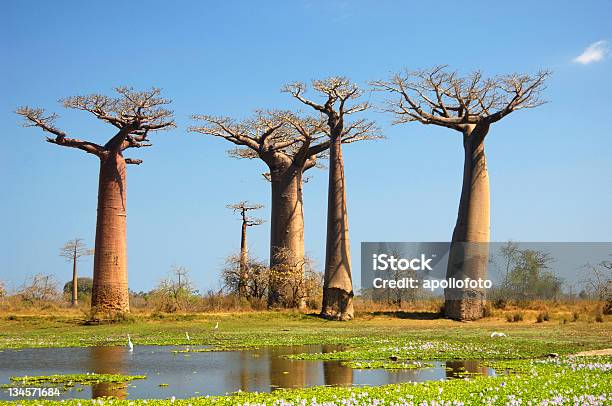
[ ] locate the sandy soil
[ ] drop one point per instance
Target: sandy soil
(607, 351)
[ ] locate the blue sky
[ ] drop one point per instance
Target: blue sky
(550, 168)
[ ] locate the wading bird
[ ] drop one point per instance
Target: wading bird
(130, 345)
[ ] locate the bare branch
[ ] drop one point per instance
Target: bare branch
(243, 208)
(337, 91)
(134, 113)
(437, 96)
(137, 110)
(75, 249)
(225, 127)
(268, 133)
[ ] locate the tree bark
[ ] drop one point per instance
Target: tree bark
(75, 297)
(243, 261)
(338, 285)
(469, 252)
(286, 232)
(110, 279)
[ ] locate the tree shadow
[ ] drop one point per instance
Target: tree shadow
(400, 314)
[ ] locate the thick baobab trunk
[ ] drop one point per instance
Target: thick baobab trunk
(338, 285)
(286, 235)
(75, 297)
(243, 261)
(110, 279)
(469, 251)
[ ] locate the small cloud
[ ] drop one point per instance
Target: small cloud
(593, 53)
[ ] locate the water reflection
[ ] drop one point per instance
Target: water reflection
(461, 369)
(191, 374)
(334, 373)
(286, 373)
(108, 360)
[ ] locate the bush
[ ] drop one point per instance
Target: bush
(487, 311)
(98, 317)
(297, 285)
(39, 289)
(500, 303)
(175, 293)
(542, 317)
(84, 288)
(514, 317)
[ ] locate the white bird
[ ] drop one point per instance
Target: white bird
(187, 335)
(217, 326)
(497, 334)
(130, 345)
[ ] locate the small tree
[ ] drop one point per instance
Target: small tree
(600, 283)
(72, 251)
(243, 208)
(39, 288)
(299, 280)
(176, 292)
(528, 275)
(255, 283)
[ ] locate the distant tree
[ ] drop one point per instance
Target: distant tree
(255, 283)
(176, 292)
(2, 290)
(338, 94)
(39, 288)
(599, 282)
(242, 209)
(468, 105)
(134, 114)
(84, 287)
(72, 251)
(529, 275)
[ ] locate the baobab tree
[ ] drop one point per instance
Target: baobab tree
(469, 105)
(73, 250)
(338, 93)
(134, 114)
(289, 145)
(242, 208)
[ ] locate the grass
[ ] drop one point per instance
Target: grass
(286, 328)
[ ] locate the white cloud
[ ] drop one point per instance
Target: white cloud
(593, 53)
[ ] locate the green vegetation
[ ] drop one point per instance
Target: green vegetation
(378, 335)
(388, 340)
(81, 379)
(570, 380)
(385, 365)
